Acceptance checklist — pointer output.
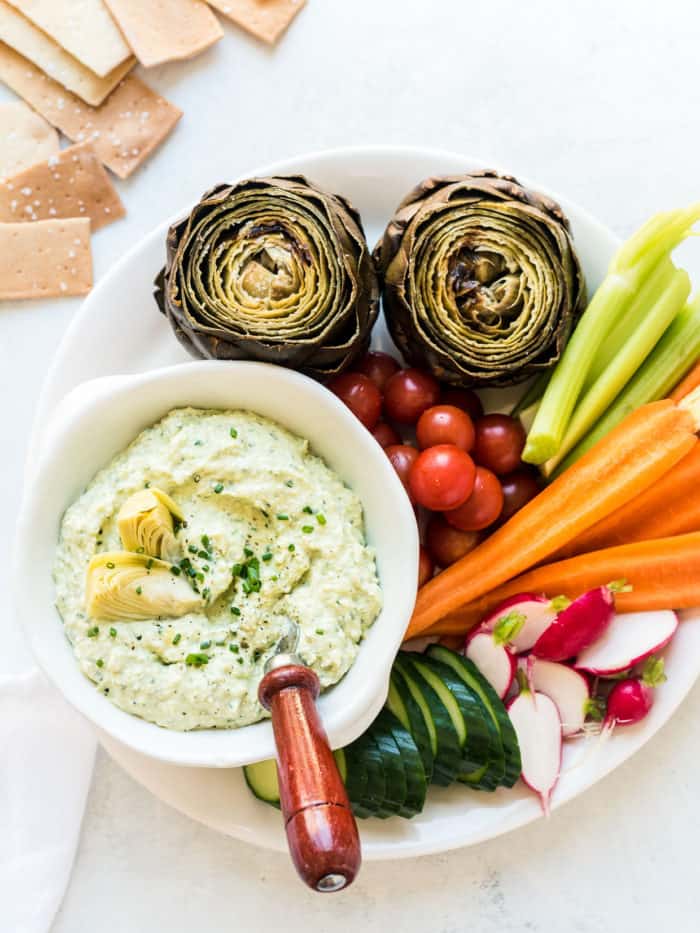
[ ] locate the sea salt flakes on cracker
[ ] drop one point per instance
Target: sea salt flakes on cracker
(45, 259)
(266, 19)
(25, 138)
(82, 27)
(165, 30)
(24, 37)
(72, 183)
(123, 138)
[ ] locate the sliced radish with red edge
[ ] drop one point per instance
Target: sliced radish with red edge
(630, 638)
(537, 725)
(494, 660)
(577, 625)
(568, 689)
(535, 612)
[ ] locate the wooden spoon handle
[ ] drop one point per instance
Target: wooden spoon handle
(320, 825)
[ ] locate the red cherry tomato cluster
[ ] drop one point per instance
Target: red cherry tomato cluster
(464, 465)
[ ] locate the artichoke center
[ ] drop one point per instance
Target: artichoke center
(269, 274)
(483, 286)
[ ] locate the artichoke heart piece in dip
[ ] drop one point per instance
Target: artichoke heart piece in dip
(271, 269)
(124, 586)
(147, 523)
(482, 284)
(266, 532)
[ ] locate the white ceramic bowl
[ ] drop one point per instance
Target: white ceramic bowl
(100, 418)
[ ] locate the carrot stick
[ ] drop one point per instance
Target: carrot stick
(670, 507)
(687, 384)
(664, 574)
(624, 463)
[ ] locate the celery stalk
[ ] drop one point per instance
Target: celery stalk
(669, 361)
(665, 305)
(628, 322)
(630, 267)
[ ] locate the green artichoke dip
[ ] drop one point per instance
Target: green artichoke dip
(266, 532)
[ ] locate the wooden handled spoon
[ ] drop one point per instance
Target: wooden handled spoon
(319, 822)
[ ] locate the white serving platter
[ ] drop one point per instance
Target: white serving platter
(119, 330)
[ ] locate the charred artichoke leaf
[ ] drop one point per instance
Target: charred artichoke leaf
(271, 269)
(122, 586)
(147, 523)
(482, 284)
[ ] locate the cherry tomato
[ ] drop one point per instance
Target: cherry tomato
(442, 477)
(465, 399)
(385, 435)
(518, 488)
(378, 367)
(402, 457)
(408, 393)
(361, 396)
(445, 424)
(484, 505)
(499, 443)
(426, 567)
(448, 544)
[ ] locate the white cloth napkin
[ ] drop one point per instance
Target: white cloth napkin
(47, 754)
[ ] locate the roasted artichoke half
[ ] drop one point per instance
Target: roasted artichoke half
(481, 280)
(121, 586)
(147, 523)
(271, 269)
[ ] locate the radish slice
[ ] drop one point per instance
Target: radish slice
(566, 687)
(537, 612)
(629, 639)
(537, 725)
(495, 661)
(578, 625)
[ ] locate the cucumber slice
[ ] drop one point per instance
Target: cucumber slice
(261, 778)
(446, 750)
(354, 775)
(407, 711)
(476, 751)
(416, 783)
(473, 677)
(363, 754)
(394, 774)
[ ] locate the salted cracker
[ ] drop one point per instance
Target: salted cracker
(45, 259)
(266, 19)
(124, 130)
(166, 30)
(24, 37)
(82, 27)
(71, 183)
(25, 137)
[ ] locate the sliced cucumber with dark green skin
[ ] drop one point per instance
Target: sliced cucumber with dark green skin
(446, 750)
(362, 754)
(476, 750)
(407, 711)
(394, 773)
(261, 778)
(416, 784)
(472, 676)
(354, 776)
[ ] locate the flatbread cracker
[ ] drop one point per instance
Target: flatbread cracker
(45, 259)
(24, 37)
(124, 130)
(25, 138)
(82, 27)
(266, 19)
(71, 183)
(166, 30)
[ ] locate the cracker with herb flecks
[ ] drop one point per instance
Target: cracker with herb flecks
(45, 259)
(71, 183)
(124, 130)
(166, 30)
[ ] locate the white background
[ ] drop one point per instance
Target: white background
(598, 100)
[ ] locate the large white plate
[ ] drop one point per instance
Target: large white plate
(118, 330)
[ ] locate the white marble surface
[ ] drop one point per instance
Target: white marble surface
(596, 99)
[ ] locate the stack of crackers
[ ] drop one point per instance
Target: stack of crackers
(70, 62)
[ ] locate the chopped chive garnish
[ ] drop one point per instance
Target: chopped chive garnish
(147, 484)
(176, 640)
(205, 644)
(110, 565)
(291, 547)
(219, 488)
(307, 529)
(235, 610)
(140, 550)
(205, 541)
(282, 517)
(267, 556)
(139, 590)
(233, 648)
(203, 554)
(99, 662)
(321, 519)
(112, 633)
(219, 644)
(93, 632)
(196, 477)
(236, 570)
(196, 660)
(308, 510)
(200, 577)
(192, 548)
(234, 433)
(206, 568)
(290, 483)
(247, 551)
(175, 570)
(197, 443)
(240, 660)
(149, 563)
(319, 631)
